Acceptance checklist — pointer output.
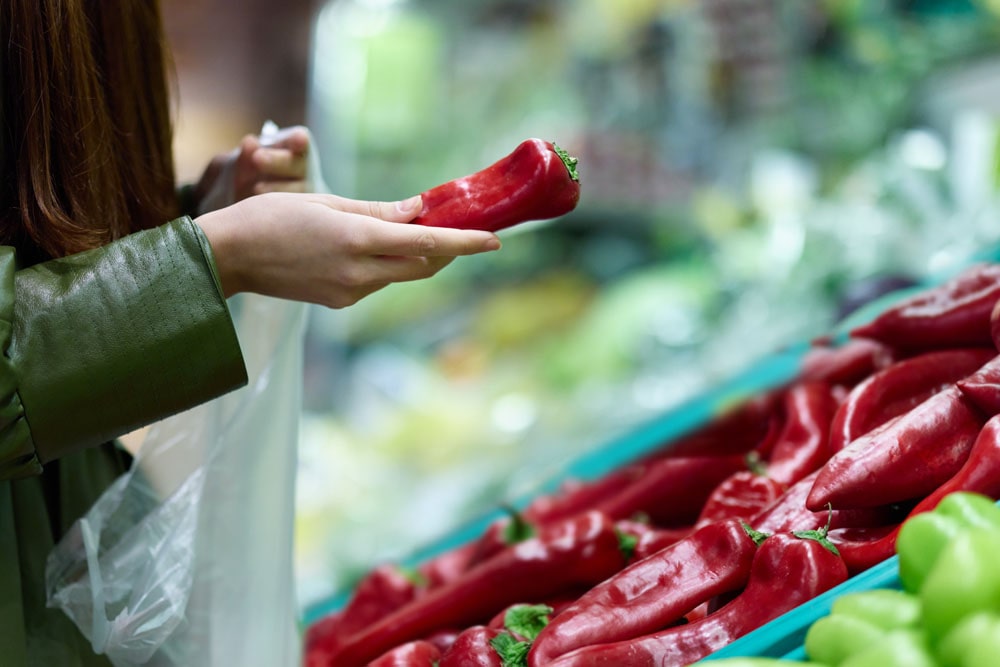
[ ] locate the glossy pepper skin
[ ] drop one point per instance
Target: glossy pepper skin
(906, 458)
(536, 181)
(786, 571)
(954, 314)
(803, 443)
(899, 388)
(742, 495)
(789, 512)
(980, 475)
(417, 653)
(472, 648)
(581, 551)
(653, 593)
(983, 387)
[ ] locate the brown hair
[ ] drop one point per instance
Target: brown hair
(86, 126)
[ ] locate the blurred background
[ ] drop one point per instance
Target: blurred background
(751, 171)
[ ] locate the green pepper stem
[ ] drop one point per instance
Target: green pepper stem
(567, 160)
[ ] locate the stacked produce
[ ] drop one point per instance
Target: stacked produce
(946, 613)
(675, 555)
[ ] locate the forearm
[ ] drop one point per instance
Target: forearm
(110, 340)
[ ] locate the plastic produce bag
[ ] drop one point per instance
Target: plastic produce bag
(186, 560)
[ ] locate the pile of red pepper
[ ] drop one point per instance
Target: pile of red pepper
(673, 556)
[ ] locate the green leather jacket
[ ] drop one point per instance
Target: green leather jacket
(95, 345)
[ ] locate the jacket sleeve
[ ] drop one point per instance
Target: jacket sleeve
(100, 343)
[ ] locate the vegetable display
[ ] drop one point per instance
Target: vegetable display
(536, 181)
(946, 613)
(888, 443)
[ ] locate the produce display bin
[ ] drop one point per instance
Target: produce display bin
(782, 637)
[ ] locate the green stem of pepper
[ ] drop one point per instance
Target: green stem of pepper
(569, 161)
(821, 534)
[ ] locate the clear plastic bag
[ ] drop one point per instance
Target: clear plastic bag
(186, 561)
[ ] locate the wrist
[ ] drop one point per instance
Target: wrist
(222, 235)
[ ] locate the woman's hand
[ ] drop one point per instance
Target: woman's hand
(272, 163)
(329, 250)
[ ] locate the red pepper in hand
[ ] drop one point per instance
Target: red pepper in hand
(803, 444)
(671, 491)
(653, 593)
(787, 570)
(578, 552)
(954, 314)
(417, 653)
(537, 181)
(904, 459)
(901, 387)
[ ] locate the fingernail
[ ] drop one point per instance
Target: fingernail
(409, 205)
(493, 244)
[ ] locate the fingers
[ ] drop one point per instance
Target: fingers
(392, 211)
(294, 139)
(263, 187)
(420, 241)
(279, 163)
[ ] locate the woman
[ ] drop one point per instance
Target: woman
(112, 300)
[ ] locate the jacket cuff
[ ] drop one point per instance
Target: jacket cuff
(112, 339)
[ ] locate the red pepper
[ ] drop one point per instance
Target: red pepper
(578, 552)
(864, 547)
(653, 593)
(448, 565)
(648, 538)
(899, 388)
(789, 512)
(787, 570)
(536, 181)
(500, 534)
(904, 459)
(979, 474)
(576, 496)
(802, 445)
(672, 491)
(417, 653)
(847, 364)
(983, 387)
(472, 648)
(741, 495)
(383, 590)
(954, 314)
(737, 430)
